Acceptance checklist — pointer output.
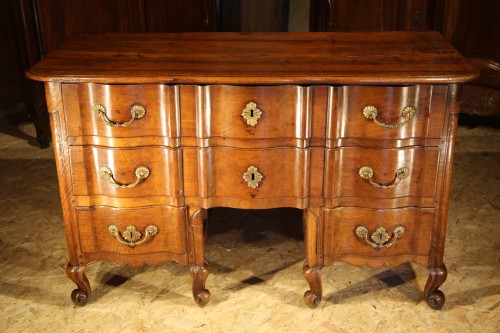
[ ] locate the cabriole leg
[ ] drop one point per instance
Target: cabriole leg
(312, 297)
(433, 296)
(80, 295)
(312, 266)
(199, 267)
(200, 294)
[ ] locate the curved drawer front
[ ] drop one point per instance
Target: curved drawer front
(253, 173)
(131, 173)
(259, 112)
(125, 231)
(392, 236)
(388, 113)
(121, 111)
(398, 177)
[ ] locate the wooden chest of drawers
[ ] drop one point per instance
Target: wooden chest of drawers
(355, 129)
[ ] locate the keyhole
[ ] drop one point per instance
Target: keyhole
(131, 235)
(251, 113)
(380, 239)
(253, 176)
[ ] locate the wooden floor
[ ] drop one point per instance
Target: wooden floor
(256, 260)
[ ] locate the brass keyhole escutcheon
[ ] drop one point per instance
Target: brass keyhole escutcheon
(379, 238)
(251, 113)
(252, 177)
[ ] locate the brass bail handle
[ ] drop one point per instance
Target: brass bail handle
(137, 111)
(131, 236)
(367, 173)
(370, 112)
(141, 173)
(380, 238)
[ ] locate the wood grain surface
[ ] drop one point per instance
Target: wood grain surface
(257, 58)
(342, 244)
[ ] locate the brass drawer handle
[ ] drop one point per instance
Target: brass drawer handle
(380, 238)
(370, 112)
(131, 236)
(367, 173)
(137, 111)
(253, 177)
(141, 173)
(251, 113)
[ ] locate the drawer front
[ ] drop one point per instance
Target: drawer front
(388, 113)
(121, 111)
(253, 173)
(399, 177)
(277, 112)
(131, 235)
(392, 236)
(141, 172)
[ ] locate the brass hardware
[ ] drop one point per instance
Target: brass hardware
(253, 177)
(131, 236)
(141, 173)
(137, 111)
(380, 238)
(251, 113)
(370, 112)
(367, 173)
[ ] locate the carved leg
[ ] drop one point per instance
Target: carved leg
(200, 294)
(312, 297)
(199, 267)
(80, 295)
(39, 114)
(434, 297)
(312, 266)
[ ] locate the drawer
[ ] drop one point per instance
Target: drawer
(131, 235)
(386, 242)
(388, 113)
(399, 177)
(121, 111)
(126, 173)
(253, 112)
(254, 173)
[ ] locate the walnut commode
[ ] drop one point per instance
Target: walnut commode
(355, 129)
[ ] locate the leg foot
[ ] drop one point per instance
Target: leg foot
(43, 140)
(200, 294)
(312, 297)
(434, 297)
(80, 295)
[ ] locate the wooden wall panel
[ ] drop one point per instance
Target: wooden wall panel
(180, 16)
(61, 18)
